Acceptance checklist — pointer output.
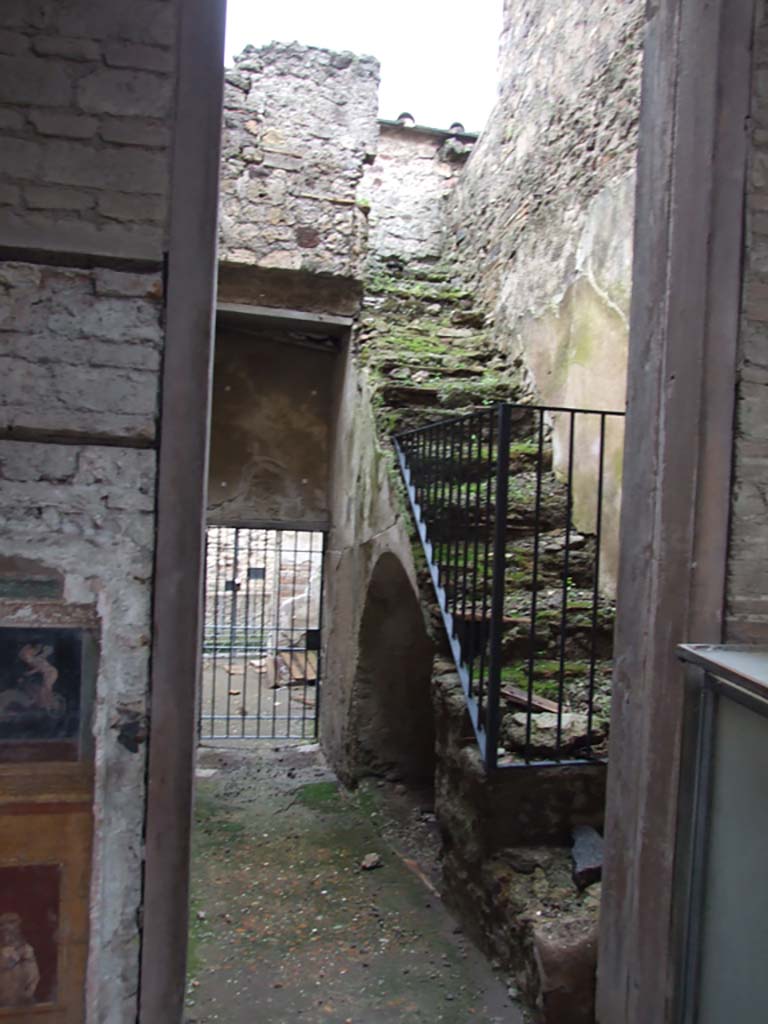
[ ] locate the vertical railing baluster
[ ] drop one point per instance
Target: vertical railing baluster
(206, 597)
(320, 600)
(264, 648)
(474, 631)
(497, 597)
(247, 633)
(534, 586)
(449, 474)
(596, 581)
(465, 513)
(566, 570)
(219, 531)
(484, 628)
(232, 628)
(440, 510)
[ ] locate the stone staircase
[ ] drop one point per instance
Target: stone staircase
(507, 837)
(426, 348)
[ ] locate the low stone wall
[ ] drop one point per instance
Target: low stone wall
(507, 862)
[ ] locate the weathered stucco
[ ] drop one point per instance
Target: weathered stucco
(270, 427)
(299, 123)
(367, 525)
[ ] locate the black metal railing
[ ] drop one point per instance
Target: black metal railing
(515, 507)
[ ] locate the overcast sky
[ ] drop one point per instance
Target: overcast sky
(438, 57)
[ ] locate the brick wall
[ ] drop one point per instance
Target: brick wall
(747, 600)
(86, 93)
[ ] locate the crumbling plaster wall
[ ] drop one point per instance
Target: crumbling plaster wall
(270, 427)
(368, 523)
(747, 601)
(542, 217)
(86, 108)
(299, 123)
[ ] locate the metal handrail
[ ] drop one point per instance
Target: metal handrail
(458, 478)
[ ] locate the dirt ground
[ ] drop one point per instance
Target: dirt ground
(287, 926)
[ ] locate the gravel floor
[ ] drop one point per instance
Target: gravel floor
(287, 926)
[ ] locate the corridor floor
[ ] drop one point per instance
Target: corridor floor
(288, 927)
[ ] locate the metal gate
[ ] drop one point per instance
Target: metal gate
(261, 641)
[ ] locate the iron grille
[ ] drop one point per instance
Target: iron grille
(262, 628)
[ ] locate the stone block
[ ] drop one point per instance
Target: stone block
(40, 197)
(64, 125)
(565, 952)
(40, 229)
(77, 163)
(25, 14)
(130, 209)
(756, 300)
(21, 158)
(126, 93)
(35, 81)
(142, 21)
(587, 855)
(118, 284)
(69, 49)
(132, 131)
(134, 55)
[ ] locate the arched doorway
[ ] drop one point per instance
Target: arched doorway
(392, 721)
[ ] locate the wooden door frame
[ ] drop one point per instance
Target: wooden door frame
(682, 377)
(181, 503)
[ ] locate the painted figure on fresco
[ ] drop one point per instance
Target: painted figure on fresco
(33, 695)
(19, 973)
(35, 683)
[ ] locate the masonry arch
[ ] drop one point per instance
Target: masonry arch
(392, 721)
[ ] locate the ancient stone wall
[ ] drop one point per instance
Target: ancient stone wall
(747, 603)
(86, 109)
(299, 129)
(299, 123)
(526, 213)
(407, 188)
(541, 219)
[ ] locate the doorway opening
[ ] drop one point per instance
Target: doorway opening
(262, 634)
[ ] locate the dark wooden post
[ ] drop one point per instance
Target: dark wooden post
(677, 464)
